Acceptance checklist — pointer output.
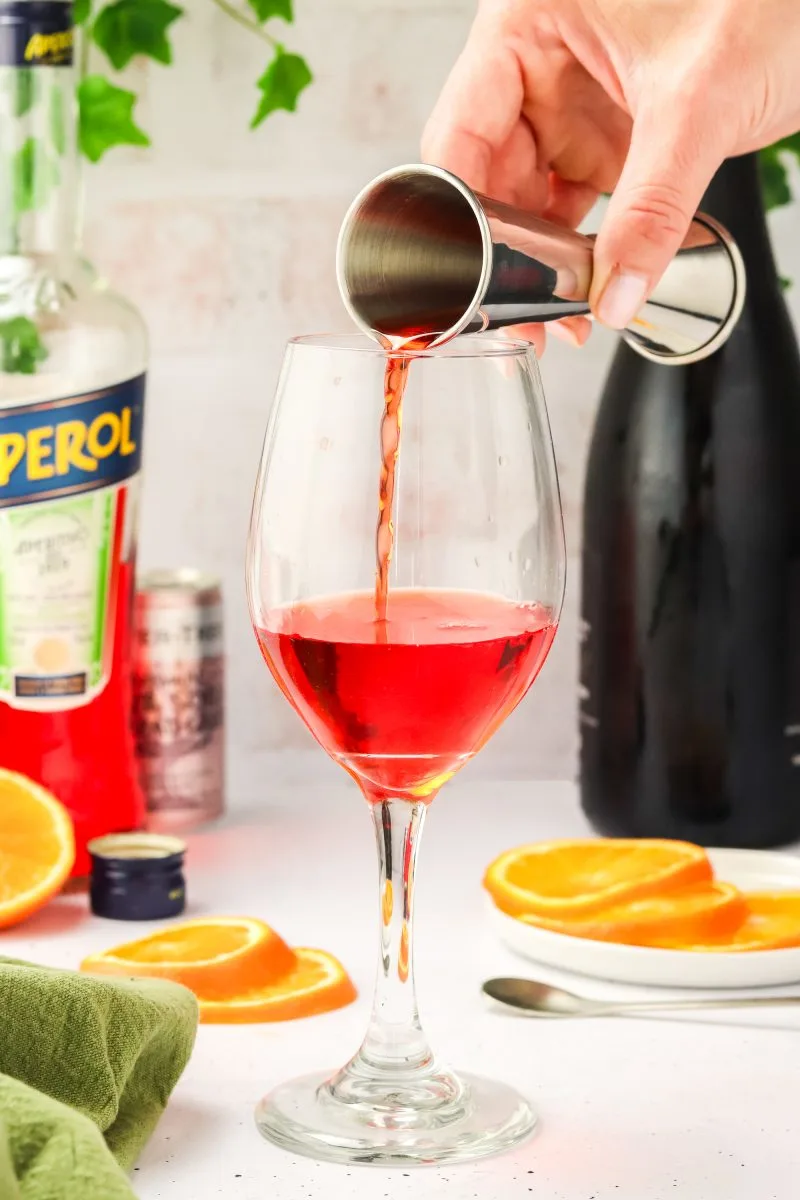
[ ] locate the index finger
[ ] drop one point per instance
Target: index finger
(477, 110)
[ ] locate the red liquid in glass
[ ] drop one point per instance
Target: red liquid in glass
(402, 703)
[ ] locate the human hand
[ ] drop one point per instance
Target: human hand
(554, 101)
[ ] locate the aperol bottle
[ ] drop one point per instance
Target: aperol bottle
(72, 363)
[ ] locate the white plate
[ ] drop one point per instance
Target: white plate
(750, 870)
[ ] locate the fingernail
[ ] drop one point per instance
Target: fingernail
(564, 333)
(567, 284)
(621, 298)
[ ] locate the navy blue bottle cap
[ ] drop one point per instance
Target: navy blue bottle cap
(137, 876)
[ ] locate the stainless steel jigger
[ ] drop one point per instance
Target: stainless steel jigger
(420, 255)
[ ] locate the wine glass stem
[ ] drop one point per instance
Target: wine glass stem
(395, 1040)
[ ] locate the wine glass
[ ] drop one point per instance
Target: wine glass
(471, 532)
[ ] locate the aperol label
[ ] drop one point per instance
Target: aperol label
(68, 482)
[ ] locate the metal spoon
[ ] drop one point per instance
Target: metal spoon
(542, 1000)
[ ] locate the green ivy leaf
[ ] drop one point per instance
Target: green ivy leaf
(264, 9)
(105, 118)
(774, 180)
(281, 84)
(132, 27)
(25, 80)
(24, 173)
(774, 176)
(790, 143)
(81, 10)
(35, 175)
(21, 347)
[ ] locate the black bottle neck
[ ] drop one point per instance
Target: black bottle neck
(735, 198)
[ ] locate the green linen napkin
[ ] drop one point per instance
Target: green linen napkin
(87, 1065)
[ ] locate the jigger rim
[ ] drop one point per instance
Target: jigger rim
(473, 310)
(726, 326)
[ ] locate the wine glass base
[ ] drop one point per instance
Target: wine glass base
(306, 1117)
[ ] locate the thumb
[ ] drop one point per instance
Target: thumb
(671, 160)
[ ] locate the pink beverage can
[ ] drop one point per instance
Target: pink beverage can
(178, 697)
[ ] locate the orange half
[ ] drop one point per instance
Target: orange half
(568, 879)
(220, 956)
(37, 846)
(700, 911)
(772, 923)
(317, 983)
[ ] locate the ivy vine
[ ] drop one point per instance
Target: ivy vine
(122, 31)
(127, 29)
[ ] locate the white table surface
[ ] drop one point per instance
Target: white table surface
(629, 1109)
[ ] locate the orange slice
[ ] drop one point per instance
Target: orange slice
(318, 983)
(772, 923)
(703, 910)
(220, 956)
(37, 846)
(571, 879)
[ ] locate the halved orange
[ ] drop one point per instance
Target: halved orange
(574, 878)
(37, 846)
(694, 913)
(220, 956)
(318, 983)
(772, 923)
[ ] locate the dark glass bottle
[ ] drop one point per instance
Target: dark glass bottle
(690, 662)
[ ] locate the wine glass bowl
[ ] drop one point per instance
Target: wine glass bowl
(405, 576)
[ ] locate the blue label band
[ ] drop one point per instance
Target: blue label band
(36, 33)
(62, 447)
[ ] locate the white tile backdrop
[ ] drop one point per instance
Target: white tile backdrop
(224, 238)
